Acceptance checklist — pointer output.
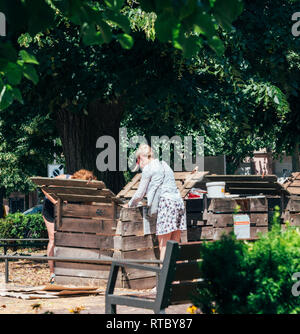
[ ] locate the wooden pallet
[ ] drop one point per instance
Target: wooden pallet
(209, 219)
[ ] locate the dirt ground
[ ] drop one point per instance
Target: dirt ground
(25, 273)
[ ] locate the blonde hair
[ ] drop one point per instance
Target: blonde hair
(84, 174)
(145, 150)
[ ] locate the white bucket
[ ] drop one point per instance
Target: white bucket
(215, 189)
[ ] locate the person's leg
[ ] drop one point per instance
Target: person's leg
(50, 248)
(162, 241)
(176, 236)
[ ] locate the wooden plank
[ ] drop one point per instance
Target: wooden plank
(137, 284)
(220, 220)
(182, 293)
(179, 183)
(259, 204)
(100, 226)
(80, 281)
(132, 273)
(79, 272)
(133, 228)
(82, 198)
(254, 231)
(223, 205)
(292, 218)
(181, 175)
(83, 240)
(78, 191)
(295, 183)
(195, 233)
(293, 190)
(257, 191)
(186, 271)
(103, 211)
(242, 178)
(131, 214)
(226, 219)
(293, 204)
(48, 181)
(149, 254)
(189, 251)
(259, 219)
(82, 252)
(134, 242)
(253, 185)
(83, 266)
(135, 179)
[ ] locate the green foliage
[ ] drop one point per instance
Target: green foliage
(272, 261)
(184, 23)
(251, 278)
(19, 226)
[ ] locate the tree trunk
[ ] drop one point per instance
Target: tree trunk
(79, 133)
(295, 159)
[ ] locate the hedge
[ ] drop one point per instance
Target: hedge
(20, 226)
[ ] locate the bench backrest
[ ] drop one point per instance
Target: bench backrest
(181, 273)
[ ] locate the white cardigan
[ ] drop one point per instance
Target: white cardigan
(153, 174)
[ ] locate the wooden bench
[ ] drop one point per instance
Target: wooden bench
(179, 276)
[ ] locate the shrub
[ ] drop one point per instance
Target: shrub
(251, 277)
(19, 226)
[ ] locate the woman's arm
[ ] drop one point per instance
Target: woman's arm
(141, 191)
(50, 198)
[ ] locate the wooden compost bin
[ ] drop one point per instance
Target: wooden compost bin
(90, 223)
(208, 219)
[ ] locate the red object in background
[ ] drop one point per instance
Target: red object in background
(196, 193)
(193, 196)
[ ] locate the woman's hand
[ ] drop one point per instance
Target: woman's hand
(125, 205)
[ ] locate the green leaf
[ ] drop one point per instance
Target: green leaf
(120, 20)
(30, 73)
(217, 45)
(114, 4)
(28, 58)
(17, 94)
(125, 40)
(164, 26)
(6, 97)
(191, 46)
(105, 31)
(226, 11)
(13, 73)
(204, 24)
(90, 35)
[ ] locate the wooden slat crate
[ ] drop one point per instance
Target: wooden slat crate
(84, 230)
(291, 211)
(131, 243)
(207, 218)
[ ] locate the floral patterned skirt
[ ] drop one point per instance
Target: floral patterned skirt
(171, 216)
